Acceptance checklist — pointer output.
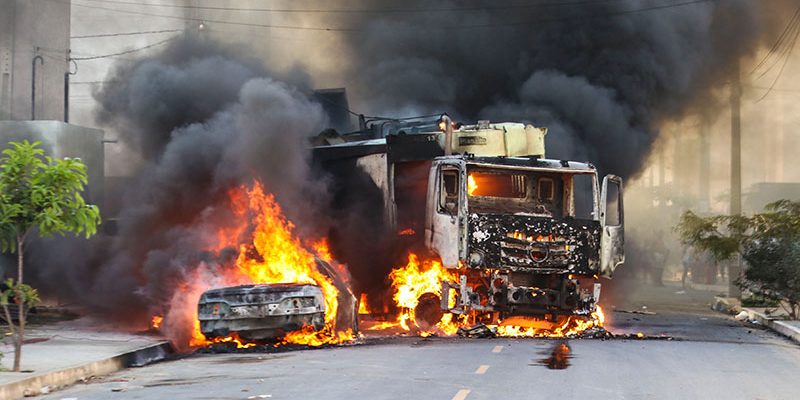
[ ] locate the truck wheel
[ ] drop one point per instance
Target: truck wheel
(428, 311)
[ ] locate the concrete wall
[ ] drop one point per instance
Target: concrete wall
(64, 140)
(30, 28)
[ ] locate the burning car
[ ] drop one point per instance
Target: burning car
(278, 287)
(262, 311)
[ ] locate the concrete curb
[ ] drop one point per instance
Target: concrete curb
(792, 332)
(52, 380)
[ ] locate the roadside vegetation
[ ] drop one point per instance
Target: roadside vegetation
(39, 195)
(768, 243)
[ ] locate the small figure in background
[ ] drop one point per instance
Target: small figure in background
(688, 262)
(709, 266)
(660, 253)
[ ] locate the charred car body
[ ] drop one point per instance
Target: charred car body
(524, 235)
(257, 312)
(270, 310)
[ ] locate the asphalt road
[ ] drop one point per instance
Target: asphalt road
(710, 356)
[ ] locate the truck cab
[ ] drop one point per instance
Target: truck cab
(525, 236)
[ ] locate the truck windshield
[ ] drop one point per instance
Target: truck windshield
(515, 191)
(494, 184)
(530, 192)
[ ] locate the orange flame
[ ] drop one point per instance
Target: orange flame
(420, 277)
(566, 327)
(198, 340)
(282, 258)
(472, 186)
(274, 255)
(322, 250)
(414, 280)
(155, 323)
(407, 232)
(363, 308)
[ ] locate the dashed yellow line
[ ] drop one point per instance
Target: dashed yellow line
(497, 349)
(482, 369)
(461, 395)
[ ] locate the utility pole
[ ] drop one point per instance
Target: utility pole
(678, 191)
(192, 15)
(704, 192)
(69, 72)
(662, 171)
(735, 267)
(779, 163)
(36, 58)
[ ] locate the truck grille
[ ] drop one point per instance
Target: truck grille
(535, 244)
(531, 250)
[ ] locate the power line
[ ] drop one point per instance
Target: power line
(90, 82)
(364, 10)
(774, 89)
(783, 65)
(201, 20)
(339, 29)
(335, 104)
(790, 26)
(98, 35)
(594, 16)
(125, 52)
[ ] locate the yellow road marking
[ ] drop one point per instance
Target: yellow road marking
(461, 395)
(482, 369)
(497, 349)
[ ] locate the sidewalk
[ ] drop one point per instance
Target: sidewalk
(63, 353)
(788, 328)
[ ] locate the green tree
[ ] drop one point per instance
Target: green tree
(768, 242)
(43, 195)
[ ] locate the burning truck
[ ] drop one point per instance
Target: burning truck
(520, 241)
(510, 239)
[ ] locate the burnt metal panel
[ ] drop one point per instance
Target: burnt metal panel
(322, 154)
(535, 244)
(414, 147)
(533, 162)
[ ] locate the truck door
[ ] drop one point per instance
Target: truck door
(445, 199)
(612, 243)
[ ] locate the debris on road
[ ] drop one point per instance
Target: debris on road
(478, 331)
(635, 312)
(741, 316)
(559, 357)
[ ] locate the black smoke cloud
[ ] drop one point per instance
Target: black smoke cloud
(601, 77)
(205, 119)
